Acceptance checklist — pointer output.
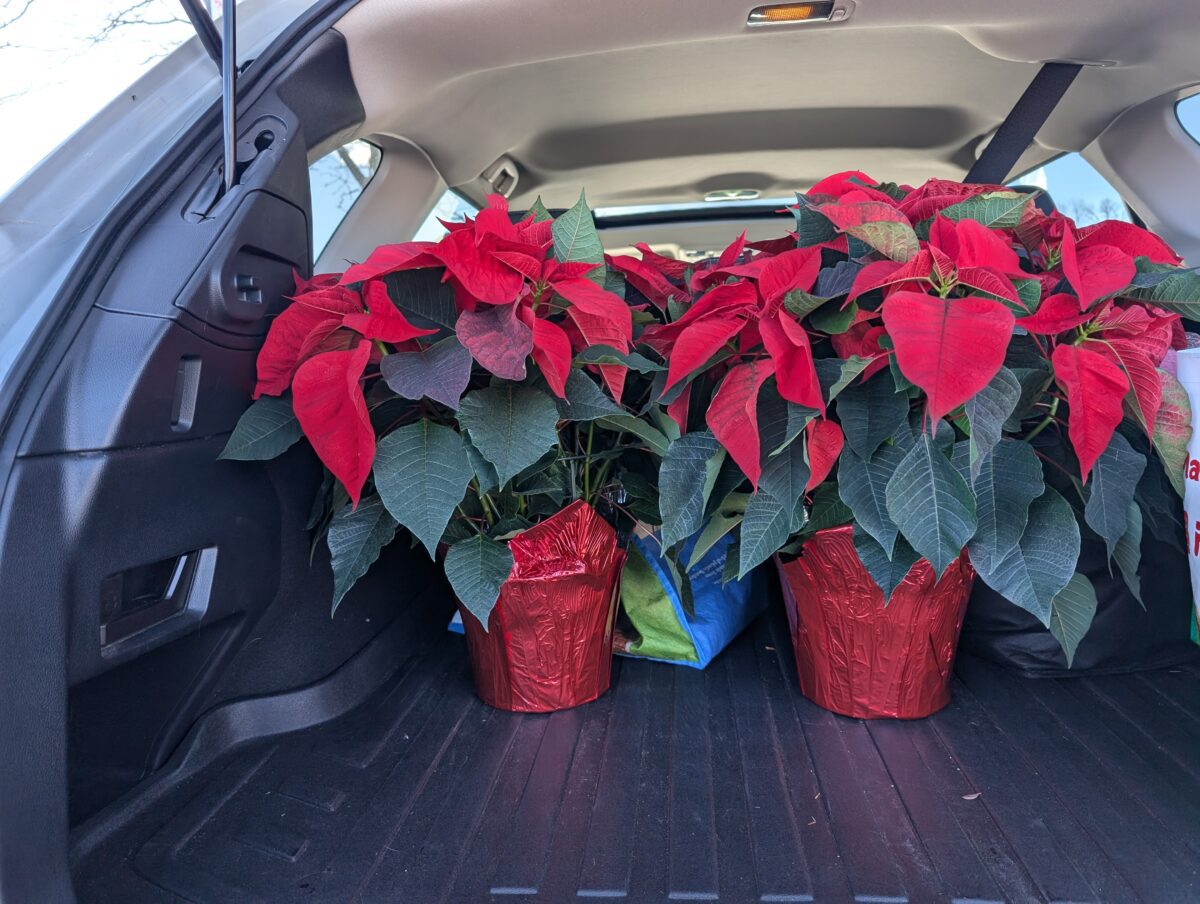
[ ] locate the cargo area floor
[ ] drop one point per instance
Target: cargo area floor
(678, 785)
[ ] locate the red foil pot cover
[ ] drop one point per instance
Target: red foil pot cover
(854, 655)
(549, 640)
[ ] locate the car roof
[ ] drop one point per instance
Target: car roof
(648, 102)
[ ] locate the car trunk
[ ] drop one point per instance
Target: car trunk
(234, 742)
(678, 784)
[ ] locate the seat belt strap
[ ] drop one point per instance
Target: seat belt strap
(1024, 120)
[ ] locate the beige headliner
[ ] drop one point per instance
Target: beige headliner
(653, 102)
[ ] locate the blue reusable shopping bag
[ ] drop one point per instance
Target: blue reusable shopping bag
(665, 630)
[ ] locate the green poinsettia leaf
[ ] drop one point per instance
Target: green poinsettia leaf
(641, 498)
(903, 383)
(797, 419)
(576, 239)
(1032, 380)
(862, 485)
(776, 510)
(1110, 490)
(422, 297)
(1008, 482)
(827, 509)
(421, 473)
(811, 227)
(870, 413)
(766, 525)
(717, 527)
(834, 319)
(1041, 564)
(355, 537)
(1030, 293)
(1071, 614)
(1173, 289)
(614, 281)
(800, 304)
(848, 372)
(891, 238)
(884, 571)
(931, 504)
(485, 471)
(779, 420)
(685, 479)
(987, 412)
(552, 480)
(654, 438)
(729, 478)
(1128, 552)
(606, 354)
(1149, 274)
(476, 568)
(663, 422)
(508, 527)
(733, 557)
(680, 579)
(539, 211)
(584, 400)
(785, 477)
(266, 429)
(1173, 429)
(991, 208)
(943, 438)
(511, 425)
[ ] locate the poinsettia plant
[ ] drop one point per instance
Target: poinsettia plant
(463, 389)
(945, 367)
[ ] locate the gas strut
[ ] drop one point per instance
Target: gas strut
(223, 50)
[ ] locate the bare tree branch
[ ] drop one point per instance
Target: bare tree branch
(137, 12)
(11, 11)
(359, 176)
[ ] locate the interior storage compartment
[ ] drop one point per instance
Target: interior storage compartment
(721, 785)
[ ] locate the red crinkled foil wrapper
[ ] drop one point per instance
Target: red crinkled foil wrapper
(859, 658)
(549, 640)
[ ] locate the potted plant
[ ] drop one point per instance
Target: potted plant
(924, 384)
(447, 388)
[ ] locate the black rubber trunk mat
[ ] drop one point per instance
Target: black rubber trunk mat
(722, 785)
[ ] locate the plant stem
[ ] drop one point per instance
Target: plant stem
(489, 510)
(469, 520)
(587, 465)
(1046, 421)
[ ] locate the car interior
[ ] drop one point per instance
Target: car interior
(185, 721)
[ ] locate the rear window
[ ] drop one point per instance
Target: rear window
(1077, 190)
(1188, 112)
(335, 181)
(451, 208)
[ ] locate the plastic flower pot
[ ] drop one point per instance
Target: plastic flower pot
(549, 640)
(854, 655)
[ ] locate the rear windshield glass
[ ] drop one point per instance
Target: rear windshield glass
(1188, 111)
(1077, 190)
(61, 63)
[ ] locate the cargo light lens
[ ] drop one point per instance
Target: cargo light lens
(790, 14)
